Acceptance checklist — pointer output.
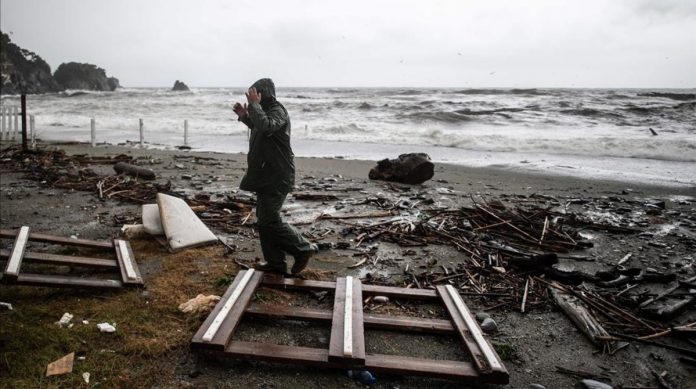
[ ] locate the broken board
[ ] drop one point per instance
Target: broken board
(124, 262)
(346, 348)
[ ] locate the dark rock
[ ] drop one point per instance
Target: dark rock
(85, 76)
(23, 71)
(413, 168)
(481, 316)
(489, 326)
(179, 86)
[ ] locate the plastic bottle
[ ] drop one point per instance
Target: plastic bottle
(363, 376)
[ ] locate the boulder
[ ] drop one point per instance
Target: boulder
(85, 76)
(23, 71)
(179, 86)
(412, 168)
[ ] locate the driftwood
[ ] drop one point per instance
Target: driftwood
(135, 171)
(413, 168)
(581, 316)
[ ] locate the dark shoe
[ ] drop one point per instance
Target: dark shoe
(302, 259)
(268, 268)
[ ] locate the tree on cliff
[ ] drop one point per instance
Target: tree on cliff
(23, 71)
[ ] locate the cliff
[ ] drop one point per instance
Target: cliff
(23, 71)
(73, 75)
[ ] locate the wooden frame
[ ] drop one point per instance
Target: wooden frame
(347, 345)
(124, 262)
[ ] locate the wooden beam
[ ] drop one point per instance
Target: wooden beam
(219, 327)
(348, 319)
(59, 240)
(367, 290)
(391, 364)
(126, 260)
(15, 261)
(370, 320)
(347, 343)
(484, 357)
(64, 281)
(54, 259)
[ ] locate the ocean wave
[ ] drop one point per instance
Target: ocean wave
(351, 128)
(534, 92)
(669, 95)
(592, 113)
(466, 111)
(436, 116)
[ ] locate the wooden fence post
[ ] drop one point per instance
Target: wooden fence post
(185, 132)
(94, 132)
(24, 122)
(142, 136)
(32, 130)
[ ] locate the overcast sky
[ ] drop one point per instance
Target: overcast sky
(458, 43)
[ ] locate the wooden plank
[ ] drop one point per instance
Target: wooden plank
(54, 259)
(348, 319)
(15, 261)
(38, 237)
(126, 261)
(231, 320)
(453, 370)
(305, 356)
(374, 321)
(336, 339)
(368, 290)
(485, 359)
(357, 320)
(64, 281)
(347, 346)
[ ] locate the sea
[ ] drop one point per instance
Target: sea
(643, 136)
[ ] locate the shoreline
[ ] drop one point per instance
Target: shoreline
(507, 178)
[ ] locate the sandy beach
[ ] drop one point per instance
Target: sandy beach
(151, 346)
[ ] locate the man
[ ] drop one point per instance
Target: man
(271, 174)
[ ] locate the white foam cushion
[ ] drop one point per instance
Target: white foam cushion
(151, 219)
(181, 225)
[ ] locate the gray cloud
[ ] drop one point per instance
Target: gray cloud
(506, 43)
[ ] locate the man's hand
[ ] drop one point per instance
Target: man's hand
(253, 96)
(240, 110)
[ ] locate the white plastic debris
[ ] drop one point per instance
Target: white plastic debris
(106, 327)
(199, 303)
(131, 231)
(5, 306)
(85, 322)
(65, 319)
(85, 376)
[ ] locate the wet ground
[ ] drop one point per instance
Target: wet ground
(534, 344)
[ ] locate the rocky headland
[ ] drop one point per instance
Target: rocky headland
(23, 71)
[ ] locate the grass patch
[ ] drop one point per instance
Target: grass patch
(151, 334)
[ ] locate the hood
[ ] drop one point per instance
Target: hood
(267, 89)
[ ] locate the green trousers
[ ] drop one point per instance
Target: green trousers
(277, 237)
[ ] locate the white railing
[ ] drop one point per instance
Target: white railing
(10, 131)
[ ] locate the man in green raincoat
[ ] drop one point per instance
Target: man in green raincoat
(271, 174)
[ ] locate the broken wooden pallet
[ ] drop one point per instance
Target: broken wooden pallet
(348, 321)
(124, 262)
